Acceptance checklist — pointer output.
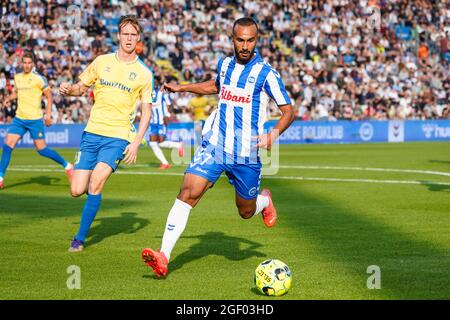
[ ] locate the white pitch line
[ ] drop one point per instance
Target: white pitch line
(439, 173)
(360, 180)
(266, 177)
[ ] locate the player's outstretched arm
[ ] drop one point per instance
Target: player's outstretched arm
(266, 140)
(77, 89)
(206, 87)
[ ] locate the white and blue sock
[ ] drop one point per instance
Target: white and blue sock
(262, 202)
(176, 222)
(170, 144)
(158, 152)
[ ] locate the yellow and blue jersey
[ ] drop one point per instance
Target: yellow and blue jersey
(117, 87)
(29, 87)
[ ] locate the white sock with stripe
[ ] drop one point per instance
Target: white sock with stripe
(176, 222)
(170, 144)
(158, 152)
(261, 203)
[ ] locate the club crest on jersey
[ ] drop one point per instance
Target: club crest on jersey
(132, 75)
(235, 95)
(108, 69)
(251, 79)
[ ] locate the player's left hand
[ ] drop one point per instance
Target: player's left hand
(266, 140)
(131, 153)
(48, 121)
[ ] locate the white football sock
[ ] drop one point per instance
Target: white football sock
(158, 152)
(68, 166)
(176, 222)
(261, 203)
(170, 144)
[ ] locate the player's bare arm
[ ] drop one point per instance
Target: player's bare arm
(77, 89)
(48, 109)
(132, 149)
(266, 140)
(206, 87)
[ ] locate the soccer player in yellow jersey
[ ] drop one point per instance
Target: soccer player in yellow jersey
(28, 89)
(119, 80)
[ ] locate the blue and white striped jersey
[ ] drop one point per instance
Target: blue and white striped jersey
(159, 107)
(244, 94)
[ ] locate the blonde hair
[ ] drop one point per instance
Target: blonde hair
(130, 19)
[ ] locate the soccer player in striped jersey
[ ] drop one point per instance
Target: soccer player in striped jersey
(158, 127)
(29, 87)
(245, 84)
(119, 80)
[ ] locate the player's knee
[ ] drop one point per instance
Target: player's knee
(187, 196)
(95, 186)
(10, 142)
(77, 191)
(9, 145)
(246, 212)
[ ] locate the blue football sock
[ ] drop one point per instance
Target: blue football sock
(87, 217)
(6, 156)
(52, 154)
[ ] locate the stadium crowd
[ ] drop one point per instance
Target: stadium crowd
(340, 59)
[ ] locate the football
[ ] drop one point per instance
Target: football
(273, 277)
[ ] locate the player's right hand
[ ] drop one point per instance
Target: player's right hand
(171, 87)
(64, 88)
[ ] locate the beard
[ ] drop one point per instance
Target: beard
(240, 58)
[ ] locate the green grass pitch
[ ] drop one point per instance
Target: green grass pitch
(338, 215)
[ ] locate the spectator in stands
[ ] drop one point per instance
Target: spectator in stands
(327, 51)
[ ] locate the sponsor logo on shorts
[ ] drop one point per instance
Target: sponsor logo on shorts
(201, 170)
(252, 192)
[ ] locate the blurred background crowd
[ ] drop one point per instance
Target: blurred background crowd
(339, 59)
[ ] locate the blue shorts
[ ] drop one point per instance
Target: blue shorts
(20, 127)
(245, 178)
(158, 130)
(95, 148)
